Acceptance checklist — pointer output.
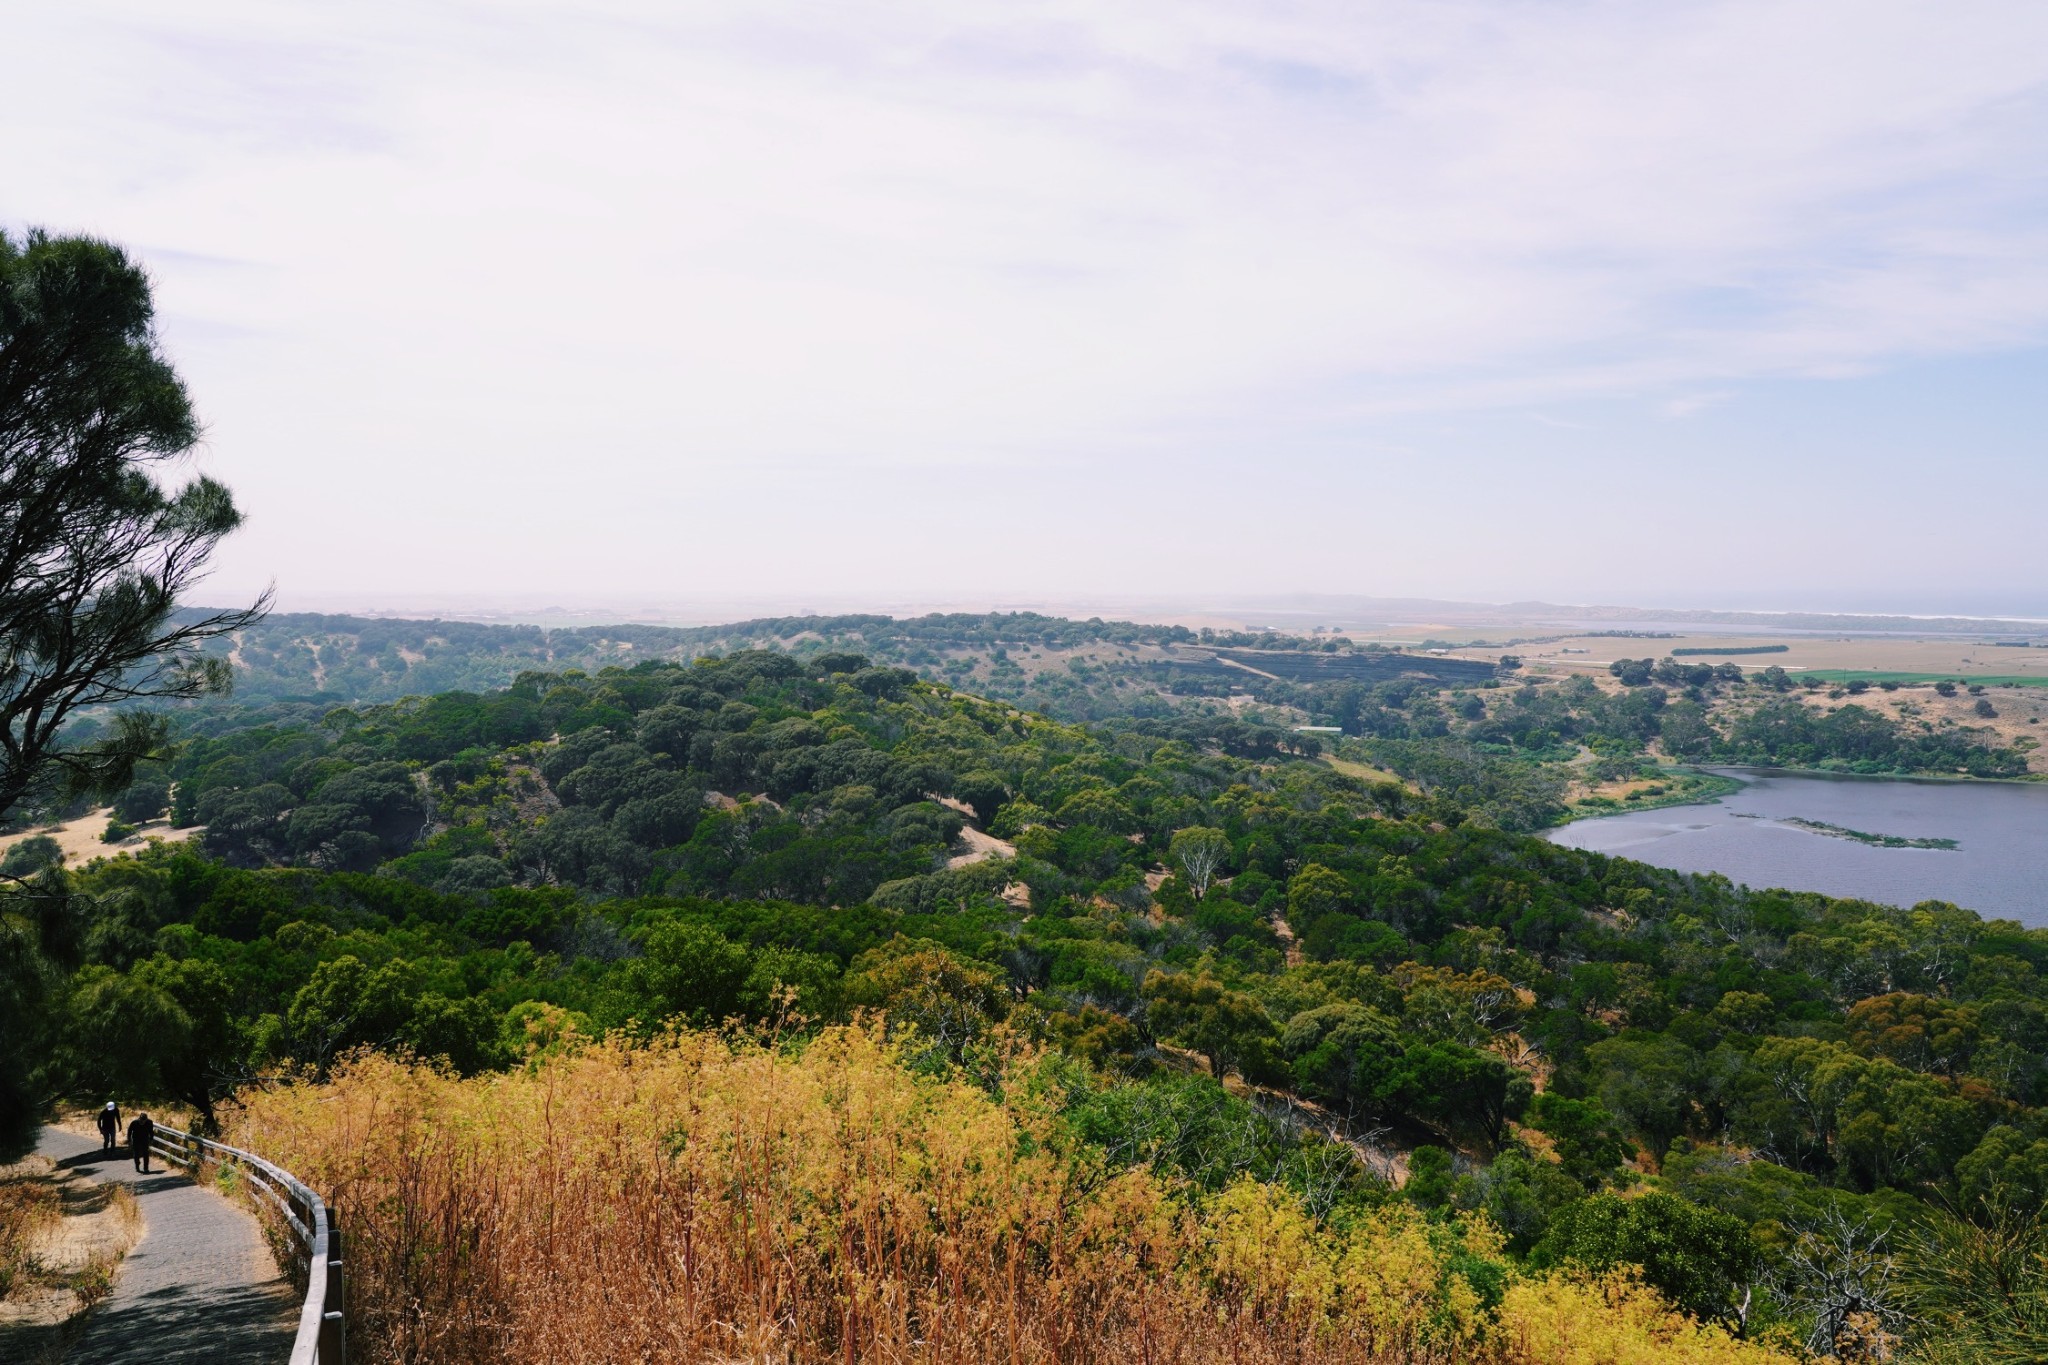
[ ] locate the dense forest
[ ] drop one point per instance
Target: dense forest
(1364, 992)
(351, 659)
(1523, 749)
(1068, 669)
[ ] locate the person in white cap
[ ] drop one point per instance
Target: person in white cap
(110, 1127)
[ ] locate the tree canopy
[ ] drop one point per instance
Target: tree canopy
(94, 551)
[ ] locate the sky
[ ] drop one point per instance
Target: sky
(1697, 303)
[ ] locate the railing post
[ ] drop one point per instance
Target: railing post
(334, 1320)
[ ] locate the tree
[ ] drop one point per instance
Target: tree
(94, 553)
(1924, 1032)
(1458, 1091)
(1702, 1259)
(688, 971)
(1583, 1134)
(1882, 1122)
(1685, 730)
(29, 985)
(119, 1032)
(463, 1033)
(377, 803)
(1431, 1171)
(2007, 1172)
(1092, 806)
(31, 856)
(144, 799)
(1227, 1027)
(947, 1000)
(1315, 892)
(1338, 1050)
(985, 791)
(1464, 1007)
(1519, 1194)
(1632, 672)
(1648, 1081)
(1841, 1275)
(347, 1003)
(1200, 851)
(203, 1060)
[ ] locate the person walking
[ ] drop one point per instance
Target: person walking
(110, 1127)
(139, 1134)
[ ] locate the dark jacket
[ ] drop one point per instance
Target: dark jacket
(140, 1132)
(110, 1121)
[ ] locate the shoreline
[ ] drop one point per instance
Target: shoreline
(1725, 772)
(1718, 786)
(1964, 779)
(1973, 847)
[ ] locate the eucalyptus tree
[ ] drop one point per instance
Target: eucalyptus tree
(96, 549)
(95, 553)
(1201, 852)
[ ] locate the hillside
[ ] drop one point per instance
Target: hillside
(1076, 670)
(1246, 952)
(1526, 747)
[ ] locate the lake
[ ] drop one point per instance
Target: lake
(1999, 866)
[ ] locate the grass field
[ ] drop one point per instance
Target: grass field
(1925, 679)
(2013, 679)
(1833, 657)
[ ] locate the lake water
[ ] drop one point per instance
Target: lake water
(1998, 868)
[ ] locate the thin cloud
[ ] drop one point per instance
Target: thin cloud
(1692, 404)
(665, 241)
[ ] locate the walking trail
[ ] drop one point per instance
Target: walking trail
(201, 1285)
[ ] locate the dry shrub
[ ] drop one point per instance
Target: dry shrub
(1611, 1321)
(25, 1208)
(94, 1280)
(703, 1199)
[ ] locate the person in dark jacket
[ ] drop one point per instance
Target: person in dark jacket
(110, 1127)
(139, 1134)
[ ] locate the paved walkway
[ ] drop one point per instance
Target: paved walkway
(200, 1286)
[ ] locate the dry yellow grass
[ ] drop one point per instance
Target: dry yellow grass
(61, 1236)
(25, 1210)
(1364, 772)
(703, 1199)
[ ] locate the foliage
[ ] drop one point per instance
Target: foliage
(25, 1209)
(776, 842)
(1702, 1260)
(94, 554)
(1981, 1290)
(830, 1203)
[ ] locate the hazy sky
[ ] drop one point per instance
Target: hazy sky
(1716, 303)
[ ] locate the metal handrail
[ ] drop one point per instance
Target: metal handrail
(323, 1326)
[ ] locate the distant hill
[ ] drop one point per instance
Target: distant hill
(1071, 669)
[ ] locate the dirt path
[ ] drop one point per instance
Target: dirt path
(81, 842)
(1285, 933)
(200, 1286)
(978, 847)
